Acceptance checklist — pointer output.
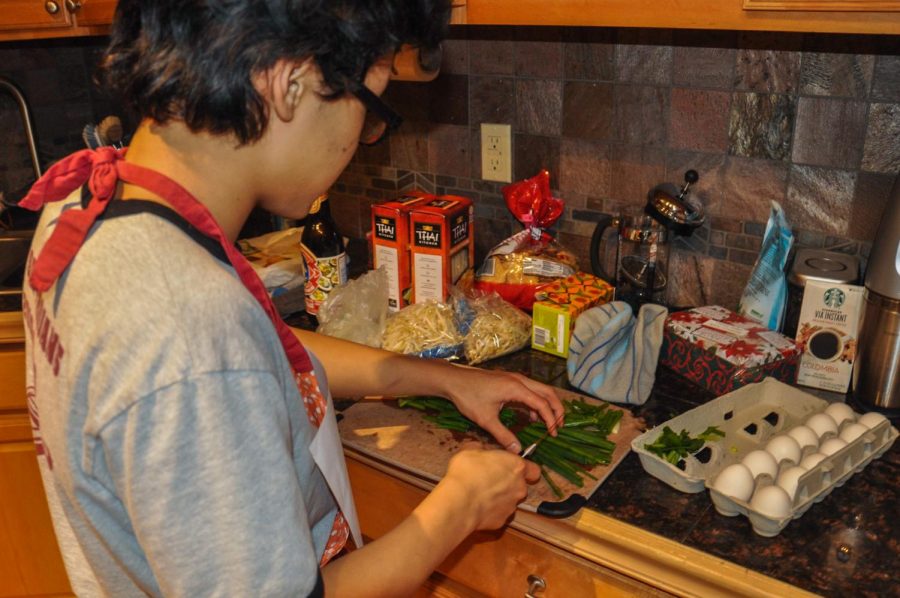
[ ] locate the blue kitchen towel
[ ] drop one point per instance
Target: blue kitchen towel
(613, 355)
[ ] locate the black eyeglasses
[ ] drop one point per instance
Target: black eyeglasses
(380, 119)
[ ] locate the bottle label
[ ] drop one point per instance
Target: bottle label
(322, 275)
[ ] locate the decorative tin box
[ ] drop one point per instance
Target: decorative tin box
(721, 350)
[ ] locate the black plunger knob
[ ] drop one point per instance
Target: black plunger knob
(690, 177)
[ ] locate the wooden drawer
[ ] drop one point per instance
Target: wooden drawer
(495, 564)
(12, 377)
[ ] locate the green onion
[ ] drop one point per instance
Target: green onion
(581, 442)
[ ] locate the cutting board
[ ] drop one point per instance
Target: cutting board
(404, 439)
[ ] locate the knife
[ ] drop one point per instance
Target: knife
(531, 447)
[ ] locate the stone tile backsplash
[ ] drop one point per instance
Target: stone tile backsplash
(809, 120)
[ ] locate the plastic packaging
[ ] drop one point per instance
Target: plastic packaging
(277, 259)
(357, 310)
(765, 296)
(429, 329)
(750, 417)
(496, 328)
(479, 327)
(531, 259)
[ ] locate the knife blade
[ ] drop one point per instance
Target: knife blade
(531, 447)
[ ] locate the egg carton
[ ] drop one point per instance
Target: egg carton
(750, 416)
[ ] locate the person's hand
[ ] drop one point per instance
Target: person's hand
(494, 482)
(480, 394)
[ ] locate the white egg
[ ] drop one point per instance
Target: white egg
(811, 461)
(831, 446)
(789, 478)
(840, 412)
(871, 419)
(804, 436)
(771, 501)
(735, 481)
(784, 448)
(822, 425)
(760, 462)
(852, 431)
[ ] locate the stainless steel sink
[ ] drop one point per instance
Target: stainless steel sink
(13, 253)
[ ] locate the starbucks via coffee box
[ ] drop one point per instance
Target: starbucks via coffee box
(826, 334)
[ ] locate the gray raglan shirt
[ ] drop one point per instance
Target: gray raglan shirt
(172, 439)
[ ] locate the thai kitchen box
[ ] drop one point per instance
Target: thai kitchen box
(441, 245)
(721, 350)
(559, 304)
(390, 244)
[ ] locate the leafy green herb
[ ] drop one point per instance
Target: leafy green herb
(674, 447)
(581, 442)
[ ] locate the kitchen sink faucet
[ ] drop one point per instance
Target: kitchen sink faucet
(19, 97)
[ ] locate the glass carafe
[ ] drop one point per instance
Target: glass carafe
(641, 267)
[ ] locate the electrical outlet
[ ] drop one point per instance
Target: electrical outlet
(496, 152)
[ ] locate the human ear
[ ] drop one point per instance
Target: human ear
(283, 85)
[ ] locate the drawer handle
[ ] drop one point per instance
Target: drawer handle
(535, 584)
(51, 7)
(73, 5)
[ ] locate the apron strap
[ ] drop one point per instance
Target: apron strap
(199, 216)
(102, 170)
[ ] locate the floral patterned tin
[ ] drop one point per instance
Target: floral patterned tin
(722, 350)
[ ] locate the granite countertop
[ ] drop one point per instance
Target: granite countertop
(846, 545)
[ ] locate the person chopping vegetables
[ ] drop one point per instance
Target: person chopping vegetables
(185, 433)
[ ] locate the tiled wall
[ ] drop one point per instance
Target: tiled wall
(812, 121)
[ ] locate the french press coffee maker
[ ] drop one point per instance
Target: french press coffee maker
(642, 243)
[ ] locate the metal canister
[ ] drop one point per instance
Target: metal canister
(818, 265)
(876, 378)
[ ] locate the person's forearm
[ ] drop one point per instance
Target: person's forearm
(357, 370)
(400, 561)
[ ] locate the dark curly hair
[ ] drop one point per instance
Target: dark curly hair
(192, 60)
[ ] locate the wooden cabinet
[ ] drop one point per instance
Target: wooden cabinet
(96, 13)
(496, 564)
(29, 19)
(588, 554)
(33, 14)
(32, 19)
(867, 16)
(835, 5)
(30, 562)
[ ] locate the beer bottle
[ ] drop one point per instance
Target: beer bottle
(324, 254)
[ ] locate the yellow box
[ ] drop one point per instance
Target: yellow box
(557, 307)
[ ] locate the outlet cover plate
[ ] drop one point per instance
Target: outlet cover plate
(496, 152)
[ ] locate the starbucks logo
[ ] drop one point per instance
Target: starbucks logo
(834, 298)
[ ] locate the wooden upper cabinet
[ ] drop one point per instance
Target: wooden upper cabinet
(33, 14)
(866, 16)
(32, 19)
(829, 5)
(28, 19)
(95, 12)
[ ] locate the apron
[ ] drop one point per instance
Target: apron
(102, 169)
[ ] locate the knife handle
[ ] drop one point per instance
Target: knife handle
(564, 508)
